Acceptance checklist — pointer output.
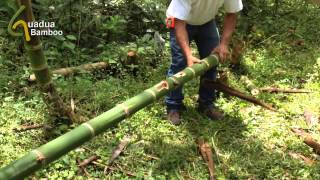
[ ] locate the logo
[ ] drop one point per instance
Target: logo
(35, 28)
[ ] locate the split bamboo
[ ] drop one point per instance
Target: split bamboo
(58, 147)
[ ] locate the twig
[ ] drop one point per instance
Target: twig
(233, 92)
(88, 161)
(30, 127)
(277, 90)
(83, 169)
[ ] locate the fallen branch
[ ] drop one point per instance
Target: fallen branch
(72, 70)
(118, 150)
(277, 90)
(84, 170)
(207, 156)
(233, 92)
(30, 127)
(88, 161)
(306, 160)
(307, 139)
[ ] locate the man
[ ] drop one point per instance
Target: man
(194, 20)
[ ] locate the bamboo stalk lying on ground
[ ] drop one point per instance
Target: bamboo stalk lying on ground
(58, 147)
(277, 90)
(77, 69)
(233, 92)
(307, 139)
(249, 85)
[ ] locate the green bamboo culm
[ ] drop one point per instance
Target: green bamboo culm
(58, 147)
(39, 65)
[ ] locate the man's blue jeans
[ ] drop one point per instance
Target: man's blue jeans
(206, 37)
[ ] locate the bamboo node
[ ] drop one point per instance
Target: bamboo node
(90, 128)
(34, 48)
(180, 74)
(125, 109)
(192, 70)
(152, 93)
(40, 156)
(206, 63)
(40, 68)
(162, 85)
(175, 81)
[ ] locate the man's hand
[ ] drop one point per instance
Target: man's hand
(229, 26)
(223, 52)
(192, 60)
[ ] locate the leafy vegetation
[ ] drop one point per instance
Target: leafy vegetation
(281, 49)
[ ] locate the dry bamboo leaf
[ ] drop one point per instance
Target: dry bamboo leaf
(206, 153)
(118, 150)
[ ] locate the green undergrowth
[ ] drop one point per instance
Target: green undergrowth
(249, 143)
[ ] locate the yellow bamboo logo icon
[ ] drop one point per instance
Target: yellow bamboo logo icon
(25, 28)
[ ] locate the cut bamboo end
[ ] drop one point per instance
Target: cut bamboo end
(163, 85)
(180, 75)
(255, 92)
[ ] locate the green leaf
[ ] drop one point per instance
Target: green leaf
(71, 37)
(69, 45)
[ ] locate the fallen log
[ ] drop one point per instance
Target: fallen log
(207, 156)
(307, 139)
(72, 70)
(277, 90)
(233, 92)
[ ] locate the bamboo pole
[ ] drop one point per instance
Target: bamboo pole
(40, 67)
(58, 147)
(71, 70)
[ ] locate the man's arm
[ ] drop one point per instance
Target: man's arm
(183, 41)
(228, 28)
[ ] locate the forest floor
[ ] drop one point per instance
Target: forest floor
(249, 143)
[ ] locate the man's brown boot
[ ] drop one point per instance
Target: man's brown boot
(211, 112)
(174, 117)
